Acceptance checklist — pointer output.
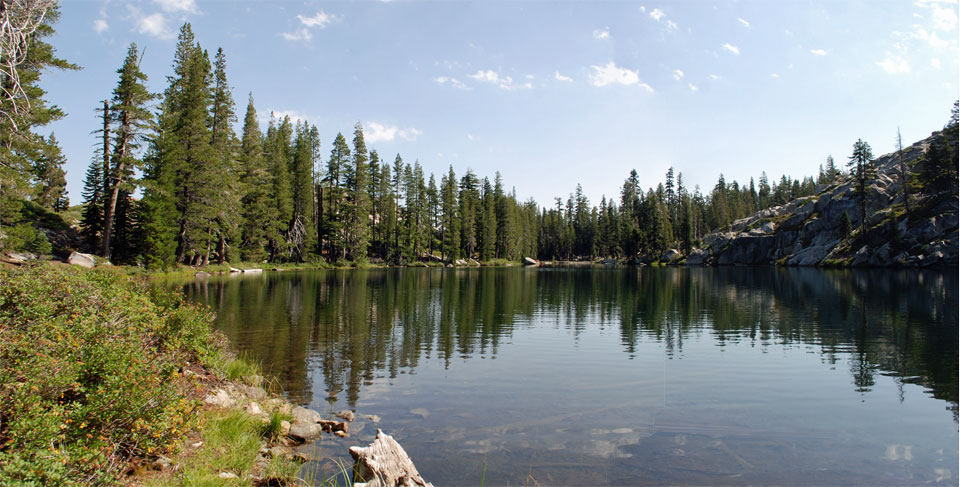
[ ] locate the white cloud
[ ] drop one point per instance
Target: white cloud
(601, 34)
(894, 65)
(657, 14)
(714, 77)
(930, 37)
(671, 25)
(320, 20)
(818, 52)
(677, 74)
(155, 25)
(294, 115)
(612, 74)
(774, 75)
(297, 35)
(731, 48)
(559, 77)
(493, 77)
(454, 82)
(376, 132)
(643, 9)
(935, 63)
(188, 6)
(100, 26)
(744, 22)
(693, 87)
(944, 19)
(471, 137)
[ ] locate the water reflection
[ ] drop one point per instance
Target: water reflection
(357, 325)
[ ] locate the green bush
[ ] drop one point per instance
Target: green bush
(24, 237)
(89, 365)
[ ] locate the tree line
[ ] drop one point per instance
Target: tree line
(212, 195)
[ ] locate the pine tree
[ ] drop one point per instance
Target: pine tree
(51, 190)
(301, 226)
(861, 166)
(223, 140)
(450, 229)
(333, 200)
(488, 223)
(91, 221)
(132, 116)
(357, 179)
(277, 151)
(259, 212)
(469, 201)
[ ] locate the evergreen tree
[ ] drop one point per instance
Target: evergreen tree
(333, 200)
(277, 152)
(301, 226)
(357, 178)
(861, 167)
(51, 190)
(258, 211)
(227, 220)
(937, 175)
(133, 119)
(450, 229)
(488, 223)
(91, 220)
(469, 201)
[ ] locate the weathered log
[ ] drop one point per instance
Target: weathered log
(384, 464)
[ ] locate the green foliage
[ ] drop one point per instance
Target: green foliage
(88, 373)
(24, 237)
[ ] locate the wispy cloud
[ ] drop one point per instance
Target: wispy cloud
(894, 65)
(559, 77)
(657, 14)
(155, 25)
(744, 22)
(714, 77)
(100, 26)
(693, 87)
(454, 82)
(187, 6)
(818, 52)
(601, 34)
(504, 82)
(935, 63)
(930, 38)
(318, 21)
(774, 75)
(732, 48)
(944, 19)
(677, 74)
(610, 74)
(377, 132)
(294, 115)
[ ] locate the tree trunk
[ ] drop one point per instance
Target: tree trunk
(105, 237)
(384, 464)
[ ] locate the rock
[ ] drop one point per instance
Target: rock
(227, 475)
(748, 251)
(696, 258)
(333, 426)
(197, 444)
(284, 426)
(423, 413)
(280, 451)
(252, 271)
(303, 415)
(347, 415)
(82, 260)
(372, 417)
(670, 256)
(384, 463)
(530, 261)
(20, 257)
(306, 424)
(255, 393)
(254, 409)
(341, 434)
(234, 270)
(220, 398)
(201, 275)
(460, 262)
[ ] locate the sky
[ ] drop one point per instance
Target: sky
(551, 94)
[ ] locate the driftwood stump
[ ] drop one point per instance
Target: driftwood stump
(384, 464)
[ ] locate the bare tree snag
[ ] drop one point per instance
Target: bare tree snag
(384, 464)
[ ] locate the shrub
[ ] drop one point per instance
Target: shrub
(89, 366)
(24, 237)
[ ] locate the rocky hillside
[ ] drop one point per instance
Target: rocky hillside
(811, 232)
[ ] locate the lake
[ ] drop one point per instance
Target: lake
(619, 376)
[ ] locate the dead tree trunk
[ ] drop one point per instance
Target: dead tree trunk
(384, 464)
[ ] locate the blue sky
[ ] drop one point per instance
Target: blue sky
(551, 94)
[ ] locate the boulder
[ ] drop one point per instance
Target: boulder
(20, 257)
(82, 260)
(346, 415)
(748, 251)
(696, 257)
(530, 261)
(220, 398)
(670, 256)
(305, 425)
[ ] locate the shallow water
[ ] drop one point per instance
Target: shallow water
(619, 376)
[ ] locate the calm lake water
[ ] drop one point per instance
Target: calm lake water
(619, 376)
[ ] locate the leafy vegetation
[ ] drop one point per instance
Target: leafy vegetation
(90, 365)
